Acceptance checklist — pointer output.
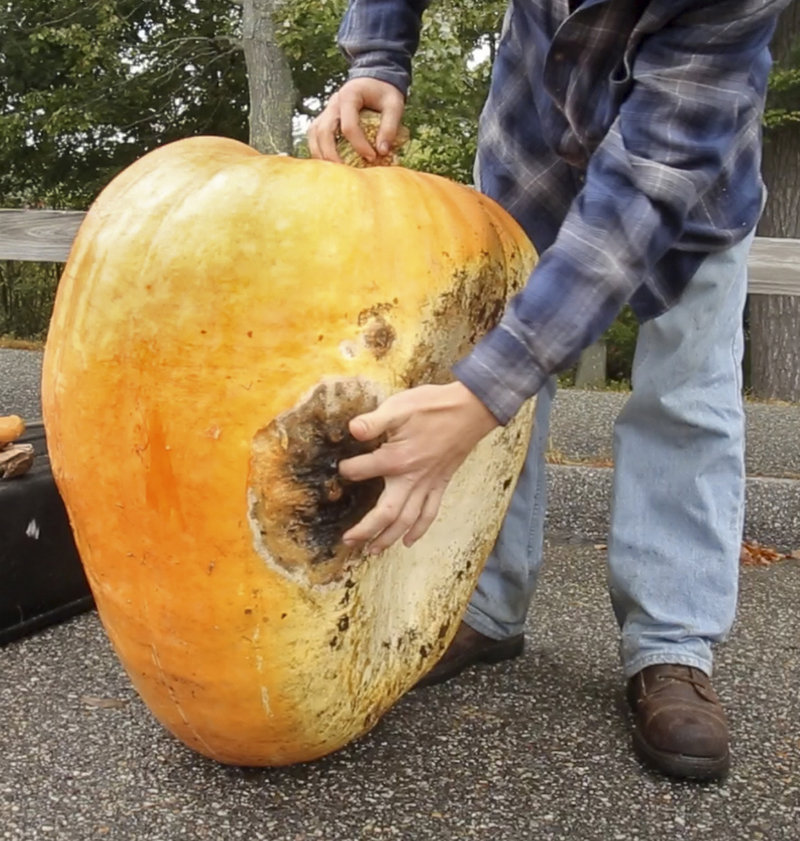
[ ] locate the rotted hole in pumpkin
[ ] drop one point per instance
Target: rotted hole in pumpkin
(299, 504)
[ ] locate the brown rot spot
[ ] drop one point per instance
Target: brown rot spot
(248, 610)
(378, 334)
(300, 506)
(443, 628)
(379, 337)
(507, 483)
(343, 624)
(348, 586)
(424, 651)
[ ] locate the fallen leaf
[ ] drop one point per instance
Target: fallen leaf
(601, 547)
(557, 457)
(795, 555)
(103, 703)
(15, 459)
(753, 554)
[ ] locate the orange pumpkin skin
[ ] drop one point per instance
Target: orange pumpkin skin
(221, 317)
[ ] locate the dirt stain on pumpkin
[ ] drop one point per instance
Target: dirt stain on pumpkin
(472, 305)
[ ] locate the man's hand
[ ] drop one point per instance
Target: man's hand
(341, 116)
(431, 430)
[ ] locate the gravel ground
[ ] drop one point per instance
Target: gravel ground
(20, 383)
(582, 428)
(579, 504)
(534, 749)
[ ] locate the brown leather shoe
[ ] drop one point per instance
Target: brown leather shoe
(680, 727)
(469, 648)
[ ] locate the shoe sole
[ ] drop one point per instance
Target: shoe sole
(699, 768)
(504, 650)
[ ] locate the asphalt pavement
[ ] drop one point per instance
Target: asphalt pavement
(533, 749)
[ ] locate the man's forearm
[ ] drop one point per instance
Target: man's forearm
(695, 102)
(380, 37)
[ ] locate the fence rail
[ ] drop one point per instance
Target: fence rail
(47, 235)
(40, 235)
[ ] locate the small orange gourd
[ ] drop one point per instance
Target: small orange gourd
(222, 316)
(11, 428)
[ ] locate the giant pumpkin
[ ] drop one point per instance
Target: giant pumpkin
(223, 314)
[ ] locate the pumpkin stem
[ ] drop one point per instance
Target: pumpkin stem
(370, 122)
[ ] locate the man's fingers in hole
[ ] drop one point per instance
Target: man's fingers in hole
(402, 523)
(386, 511)
(426, 517)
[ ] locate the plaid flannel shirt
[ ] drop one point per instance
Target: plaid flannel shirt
(623, 135)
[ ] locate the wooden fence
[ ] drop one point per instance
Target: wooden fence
(46, 235)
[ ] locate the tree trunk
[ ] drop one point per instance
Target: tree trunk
(272, 93)
(775, 319)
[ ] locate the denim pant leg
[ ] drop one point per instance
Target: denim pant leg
(500, 602)
(679, 475)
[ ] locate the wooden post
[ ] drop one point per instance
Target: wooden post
(592, 367)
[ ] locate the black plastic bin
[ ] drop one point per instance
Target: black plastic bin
(41, 577)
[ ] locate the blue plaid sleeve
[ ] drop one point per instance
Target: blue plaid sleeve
(694, 107)
(380, 37)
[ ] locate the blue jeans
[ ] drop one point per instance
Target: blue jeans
(676, 521)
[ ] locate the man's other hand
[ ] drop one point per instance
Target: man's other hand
(341, 117)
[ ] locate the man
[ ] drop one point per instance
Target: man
(624, 137)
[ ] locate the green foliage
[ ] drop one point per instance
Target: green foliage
(26, 298)
(783, 101)
(87, 86)
(451, 80)
(620, 340)
(306, 30)
(783, 98)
